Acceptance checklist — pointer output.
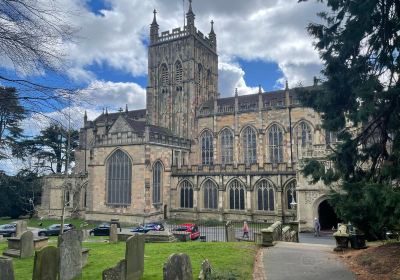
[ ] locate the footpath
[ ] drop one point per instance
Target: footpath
(303, 261)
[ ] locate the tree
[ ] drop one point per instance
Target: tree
(11, 115)
(50, 147)
(19, 194)
(359, 98)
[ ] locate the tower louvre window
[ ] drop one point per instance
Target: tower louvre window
(178, 72)
(164, 75)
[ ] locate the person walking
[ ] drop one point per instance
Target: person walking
(245, 230)
(317, 227)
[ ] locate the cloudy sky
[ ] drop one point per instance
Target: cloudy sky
(260, 42)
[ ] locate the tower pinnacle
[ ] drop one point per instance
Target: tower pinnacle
(154, 28)
(190, 18)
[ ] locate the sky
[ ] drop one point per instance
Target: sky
(260, 42)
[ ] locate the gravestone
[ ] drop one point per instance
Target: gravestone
(134, 257)
(6, 269)
(27, 247)
(116, 273)
(230, 232)
(205, 270)
(46, 264)
(178, 267)
(113, 233)
(70, 246)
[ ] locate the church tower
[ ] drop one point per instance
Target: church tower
(182, 74)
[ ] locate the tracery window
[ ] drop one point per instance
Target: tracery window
(249, 139)
(275, 137)
(178, 72)
(186, 195)
(265, 196)
(157, 182)
(291, 194)
(207, 149)
(304, 135)
(119, 179)
(210, 195)
(226, 146)
(236, 195)
(164, 75)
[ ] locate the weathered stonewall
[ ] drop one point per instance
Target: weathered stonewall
(70, 245)
(113, 233)
(116, 273)
(205, 270)
(6, 269)
(178, 267)
(46, 265)
(27, 247)
(134, 257)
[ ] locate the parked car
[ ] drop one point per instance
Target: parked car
(156, 226)
(8, 230)
(54, 230)
(103, 229)
(193, 229)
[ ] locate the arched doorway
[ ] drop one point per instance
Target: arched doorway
(327, 216)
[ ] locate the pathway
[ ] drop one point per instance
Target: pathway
(303, 261)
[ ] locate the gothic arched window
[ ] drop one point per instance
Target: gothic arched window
(304, 135)
(236, 195)
(119, 179)
(249, 138)
(210, 195)
(207, 149)
(265, 196)
(226, 146)
(186, 195)
(164, 75)
(275, 142)
(178, 73)
(157, 182)
(291, 194)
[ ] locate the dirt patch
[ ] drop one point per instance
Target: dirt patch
(382, 262)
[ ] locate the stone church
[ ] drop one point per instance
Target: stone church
(191, 155)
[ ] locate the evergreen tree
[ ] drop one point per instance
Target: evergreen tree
(359, 98)
(11, 115)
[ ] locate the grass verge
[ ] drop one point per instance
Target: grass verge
(226, 258)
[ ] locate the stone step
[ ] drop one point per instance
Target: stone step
(12, 253)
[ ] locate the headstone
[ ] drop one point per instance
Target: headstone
(6, 269)
(46, 265)
(70, 245)
(230, 233)
(205, 271)
(116, 273)
(24, 226)
(134, 257)
(113, 233)
(178, 267)
(27, 248)
(18, 228)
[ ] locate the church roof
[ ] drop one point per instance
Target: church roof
(134, 115)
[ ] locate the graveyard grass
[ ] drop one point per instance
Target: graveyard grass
(225, 257)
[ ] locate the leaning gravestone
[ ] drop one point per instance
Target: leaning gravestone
(205, 271)
(6, 269)
(70, 246)
(178, 267)
(46, 265)
(134, 257)
(113, 233)
(27, 248)
(116, 273)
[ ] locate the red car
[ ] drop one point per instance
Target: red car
(193, 229)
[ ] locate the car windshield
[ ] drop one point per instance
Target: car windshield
(181, 229)
(104, 225)
(54, 227)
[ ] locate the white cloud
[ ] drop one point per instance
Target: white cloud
(271, 31)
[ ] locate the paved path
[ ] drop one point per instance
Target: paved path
(301, 261)
(326, 238)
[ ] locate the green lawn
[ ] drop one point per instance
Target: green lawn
(225, 257)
